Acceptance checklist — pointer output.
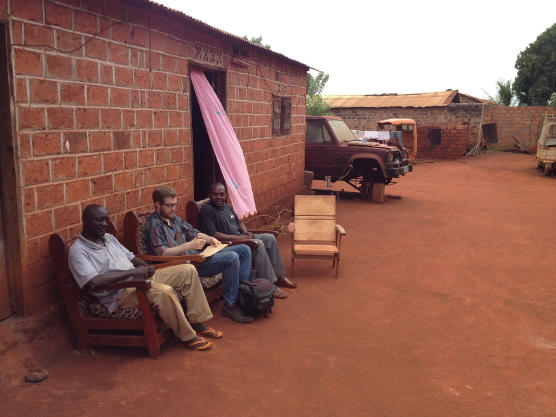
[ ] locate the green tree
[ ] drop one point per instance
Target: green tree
(316, 106)
(504, 94)
(536, 70)
(257, 41)
(552, 101)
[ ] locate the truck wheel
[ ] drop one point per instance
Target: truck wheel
(547, 169)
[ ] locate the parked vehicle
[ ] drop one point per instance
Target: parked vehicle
(546, 147)
(331, 150)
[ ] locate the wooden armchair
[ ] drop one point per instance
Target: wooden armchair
(133, 240)
(316, 234)
(92, 324)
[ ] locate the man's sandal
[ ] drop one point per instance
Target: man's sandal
(201, 344)
(280, 293)
(210, 332)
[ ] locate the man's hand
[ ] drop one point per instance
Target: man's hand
(249, 235)
(143, 272)
(197, 244)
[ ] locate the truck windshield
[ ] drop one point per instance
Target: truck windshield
(341, 131)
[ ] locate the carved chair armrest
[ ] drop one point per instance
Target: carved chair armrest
(340, 230)
(179, 259)
(141, 284)
(272, 232)
(249, 242)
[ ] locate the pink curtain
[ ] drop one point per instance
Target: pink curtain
(225, 145)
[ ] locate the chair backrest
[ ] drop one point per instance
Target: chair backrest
(315, 218)
(134, 231)
(192, 210)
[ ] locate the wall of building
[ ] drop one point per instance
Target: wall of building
(106, 118)
(518, 127)
(452, 142)
(463, 115)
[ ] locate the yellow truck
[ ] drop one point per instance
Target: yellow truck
(546, 147)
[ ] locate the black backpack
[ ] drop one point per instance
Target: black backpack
(256, 297)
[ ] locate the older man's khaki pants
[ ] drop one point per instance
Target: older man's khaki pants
(166, 282)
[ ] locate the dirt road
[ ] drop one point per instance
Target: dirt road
(445, 306)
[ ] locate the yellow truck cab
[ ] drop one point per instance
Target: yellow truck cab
(546, 147)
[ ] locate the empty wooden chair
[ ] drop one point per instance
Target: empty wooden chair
(316, 234)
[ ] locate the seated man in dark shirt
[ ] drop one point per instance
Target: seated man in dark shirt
(219, 220)
(167, 234)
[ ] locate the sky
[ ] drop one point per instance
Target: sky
(403, 47)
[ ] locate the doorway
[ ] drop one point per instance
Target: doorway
(206, 170)
(9, 230)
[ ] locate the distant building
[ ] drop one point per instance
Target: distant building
(449, 123)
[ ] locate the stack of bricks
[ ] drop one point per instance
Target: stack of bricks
(102, 96)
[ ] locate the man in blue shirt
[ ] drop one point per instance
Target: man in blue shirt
(167, 234)
(219, 220)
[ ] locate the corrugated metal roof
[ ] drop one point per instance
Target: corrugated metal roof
(228, 36)
(441, 98)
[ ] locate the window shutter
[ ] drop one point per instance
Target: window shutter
(276, 115)
(286, 115)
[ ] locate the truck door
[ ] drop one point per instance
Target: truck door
(319, 149)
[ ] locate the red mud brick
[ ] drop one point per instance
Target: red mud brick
(96, 48)
(129, 119)
(113, 161)
(60, 118)
(38, 35)
(122, 140)
(130, 160)
(119, 97)
(77, 190)
(172, 172)
(31, 118)
(142, 78)
(46, 144)
(157, 41)
(161, 156)
(21, 91)
(106, 74)
(135, 99)
(50, 196)
(44, 92)
(100, 141)
(59, 67)
(160, 119)
(121, 32)
(38, 223)
(155, 138)
(154, 100)
(72, 94)
(111, 119)
(159, 80)
(28, 63)
(169, 63)
(29, 201)
(67, 215)
(156, 175)
(86, 70)
(63, 168)
(175, 119)
(24, 141)
(170, 137)
(85, 22)
(58, 15)
(139, 36)
(28, 10)
(174, 83)
(102, 185)
(123, 181)
(87, 118)
(75, 142)
(146, 157)
(124, 77)
(118, 54)
(89, 165)
(176, 154)
(132, 199)
(97, 95)
(115, 203)
(69, 43)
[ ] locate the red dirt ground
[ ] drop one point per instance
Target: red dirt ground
(444, 307)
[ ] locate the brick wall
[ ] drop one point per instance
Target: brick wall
(106, 119)
(468, 115)
(518, 124)
(453, 142)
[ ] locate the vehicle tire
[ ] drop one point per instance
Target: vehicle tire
(547, 169)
